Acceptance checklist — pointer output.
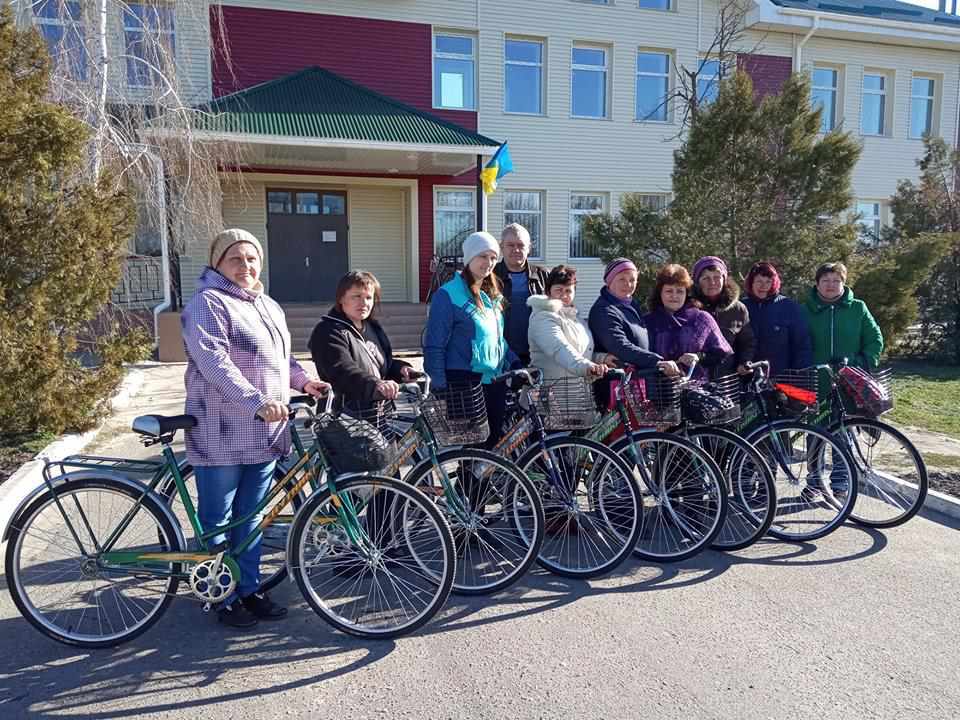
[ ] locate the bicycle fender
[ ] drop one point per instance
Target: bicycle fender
(91, 475)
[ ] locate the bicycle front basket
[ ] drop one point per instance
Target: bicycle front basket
(457, 415)
(567, 404)
(356, 441)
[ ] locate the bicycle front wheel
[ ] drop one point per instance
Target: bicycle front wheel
(591, 503)
(375, 560)
(685, 504)
(813, 473)
(65, 589)
(751, 490)
(496, 516)
(892, 475)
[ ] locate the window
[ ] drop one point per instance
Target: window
(873, 118)
(657, 202)
(61, 24)
(870, 220)
(151, 42)
(588, 93)
(523, 76)
(454, 219)
(526, 207)
(922, 96)
(655, 4)
(824, 95)
(653, 86)
(453, 72)
(581, 205)
(279, 202)
(708, 81)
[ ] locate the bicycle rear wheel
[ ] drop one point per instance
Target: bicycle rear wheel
(67, 592)
(684, 501)
(892, 475)
(383, 573)
(750, 486)
(592, 507)
(813, 473)
(498, 526)
(273, 542)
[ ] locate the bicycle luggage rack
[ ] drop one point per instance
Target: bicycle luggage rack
(97, 462)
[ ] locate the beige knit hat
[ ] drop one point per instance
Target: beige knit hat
(226, 239)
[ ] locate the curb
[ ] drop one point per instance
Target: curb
(943, 504)
(30, 474)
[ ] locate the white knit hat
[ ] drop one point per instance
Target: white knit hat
(226, 239)
(477, 243)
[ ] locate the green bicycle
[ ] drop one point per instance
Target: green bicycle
(94, 557)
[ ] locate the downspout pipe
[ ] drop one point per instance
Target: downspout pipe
(798, 50)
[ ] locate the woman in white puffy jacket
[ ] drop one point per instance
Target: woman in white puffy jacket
(560, 343)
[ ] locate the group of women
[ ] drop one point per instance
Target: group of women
(241, 368)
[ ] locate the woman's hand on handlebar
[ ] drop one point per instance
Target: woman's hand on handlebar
(688, 359)
(316, 388)
(669, 368)
(388, 389)
(273, 411)
(408, 374)
(597, 370)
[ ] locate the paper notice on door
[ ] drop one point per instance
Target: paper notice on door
(329, 236)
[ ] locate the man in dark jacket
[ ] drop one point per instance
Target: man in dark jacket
(520, 280)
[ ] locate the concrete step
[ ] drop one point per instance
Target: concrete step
(404, 322)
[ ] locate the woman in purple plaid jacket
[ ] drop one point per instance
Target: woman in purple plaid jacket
(239, 368)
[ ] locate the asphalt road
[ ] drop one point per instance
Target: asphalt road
(860, 624)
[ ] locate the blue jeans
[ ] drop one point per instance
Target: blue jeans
(228, 491)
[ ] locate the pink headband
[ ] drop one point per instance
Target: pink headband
(617, 267)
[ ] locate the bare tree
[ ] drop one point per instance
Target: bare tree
(125, 69)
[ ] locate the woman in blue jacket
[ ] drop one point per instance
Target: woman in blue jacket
(464, 344)
(779, 325)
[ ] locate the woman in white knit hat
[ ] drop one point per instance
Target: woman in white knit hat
(463, 344)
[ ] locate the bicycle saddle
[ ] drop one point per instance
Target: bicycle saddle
(159, 425)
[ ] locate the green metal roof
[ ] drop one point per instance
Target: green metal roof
(883, 9)
(316, 103)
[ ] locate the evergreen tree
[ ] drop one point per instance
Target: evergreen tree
(61, 248)
(752, 181)
(932, 206)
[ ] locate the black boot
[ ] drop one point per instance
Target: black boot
(263, 607)
(236, 615)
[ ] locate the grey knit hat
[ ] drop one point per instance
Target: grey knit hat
(226, 239)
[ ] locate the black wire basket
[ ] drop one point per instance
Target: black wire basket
(714, 402)
(655, 401)
(358, 439)
(796, 392)
(567, 404)
(457, 415)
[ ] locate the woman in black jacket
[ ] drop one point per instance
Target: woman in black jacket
(351, 350)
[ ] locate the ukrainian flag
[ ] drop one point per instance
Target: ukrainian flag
(500, 164)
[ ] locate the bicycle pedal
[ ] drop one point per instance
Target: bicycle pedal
(207, 607)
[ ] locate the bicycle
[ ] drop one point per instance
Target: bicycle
(591, 500)
(684, 501)
(812, 469)
(442, 270)
(115, 553)
(892, 477)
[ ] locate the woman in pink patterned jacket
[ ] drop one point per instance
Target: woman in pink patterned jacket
(240, 367)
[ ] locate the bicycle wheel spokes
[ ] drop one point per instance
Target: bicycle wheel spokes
(77, 598)
(892, 474)
(388, 573)
(495, 517)
(748, 482)
(683, 496)
(591, 503)
(812, 475)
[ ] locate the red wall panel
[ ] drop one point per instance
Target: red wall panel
(768, 72)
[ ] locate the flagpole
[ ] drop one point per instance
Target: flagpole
(481, 198)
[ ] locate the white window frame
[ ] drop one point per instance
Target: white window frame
(170, 40)
(605, 69)
(836, 89)
(647, 196)
(887, 100)
(934, 128)
(571, 213)
(437, 190)
(69, 25)
(539, 255)
(873, 223)
(520, 63)
(434, 55)
(668, 76)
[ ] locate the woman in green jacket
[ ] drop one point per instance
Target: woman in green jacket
(840, 325)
